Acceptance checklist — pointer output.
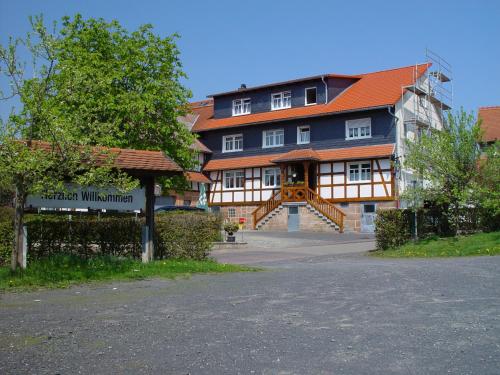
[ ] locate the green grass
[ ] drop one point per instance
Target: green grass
(64, 270)
(476, 244)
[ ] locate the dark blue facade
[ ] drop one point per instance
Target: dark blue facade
(326, 132)
(261, 98)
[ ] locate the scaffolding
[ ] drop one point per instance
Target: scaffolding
(433, 97)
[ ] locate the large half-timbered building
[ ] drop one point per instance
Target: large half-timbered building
(315, 153)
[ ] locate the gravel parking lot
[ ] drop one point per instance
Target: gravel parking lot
(327, 314)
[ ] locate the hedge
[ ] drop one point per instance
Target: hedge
(6, 234)
(187, 235)
(395, 227)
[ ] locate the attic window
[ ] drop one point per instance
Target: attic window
(311, 96)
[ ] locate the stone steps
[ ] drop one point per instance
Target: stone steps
(310, 208)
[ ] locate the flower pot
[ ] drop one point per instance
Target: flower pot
(231, 238)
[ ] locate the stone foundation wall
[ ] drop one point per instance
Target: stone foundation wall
(308, 221)
(239, 211)
(352, 221)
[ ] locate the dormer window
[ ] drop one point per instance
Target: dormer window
(310, 96)
(281, 100)
(242, 107)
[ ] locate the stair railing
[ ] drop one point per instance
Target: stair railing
(328, 209)
(265, 208)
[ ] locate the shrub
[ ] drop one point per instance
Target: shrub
(187, 235)
(391, 229)
(231, 228)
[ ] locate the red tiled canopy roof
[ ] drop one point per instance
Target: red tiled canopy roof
(298, 155)
(371, 90)
(490, 123)
(127, 159)
(197, 177)
(351, 153)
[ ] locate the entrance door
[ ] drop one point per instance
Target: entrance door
(368, 218)
(293, 218)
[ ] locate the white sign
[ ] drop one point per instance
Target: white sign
(90, 197)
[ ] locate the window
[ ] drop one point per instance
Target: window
(234, 179)
(359, 172)
(303, 135)
(281, 100)
(357, 129)
(310, 96)
(242, 107)
(272, 177)
(369, 208)
(273, 138)
(231, 212)
(231, 143)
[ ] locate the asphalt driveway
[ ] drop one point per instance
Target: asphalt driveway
(328, 314)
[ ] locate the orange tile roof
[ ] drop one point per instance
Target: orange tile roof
(197, 177)
(296, 155)
(128, 159)
(490, 123)
(371, 90)
(360, 152)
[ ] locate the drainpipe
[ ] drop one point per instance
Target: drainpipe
(326, 89)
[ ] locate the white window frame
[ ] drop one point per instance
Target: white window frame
(274, 137)
(305, 95)
(234, 149)
(276, 174)
(281, 100)
(357, 126)
(242, 100)
(360, 171)
(299, 128)
(232, 175)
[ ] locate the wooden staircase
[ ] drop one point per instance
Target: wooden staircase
(325, 210)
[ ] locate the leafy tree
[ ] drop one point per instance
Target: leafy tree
(487, 186)
(447, 162)
(94, 84)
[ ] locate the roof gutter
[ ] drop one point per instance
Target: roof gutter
(296, 118)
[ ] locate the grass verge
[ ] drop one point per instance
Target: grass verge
(64, 270)
(476, 244)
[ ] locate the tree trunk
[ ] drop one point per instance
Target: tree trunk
(17, 250)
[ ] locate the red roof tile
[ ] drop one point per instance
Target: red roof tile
(490, 123)
(296, 155)
(360, 152)
(371, 90)
(197, 177)
(128, 159)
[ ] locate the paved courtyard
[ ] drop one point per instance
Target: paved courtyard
(337, 313)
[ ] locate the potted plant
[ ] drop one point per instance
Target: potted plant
(231, 229)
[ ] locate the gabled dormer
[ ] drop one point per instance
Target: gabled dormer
(280, 96)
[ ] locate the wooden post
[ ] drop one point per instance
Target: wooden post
(282, 179)
(306, 174)
(150, 218)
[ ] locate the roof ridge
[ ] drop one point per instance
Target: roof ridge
(490, 107)
(392, 69)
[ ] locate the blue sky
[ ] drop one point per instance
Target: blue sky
(226, 43)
